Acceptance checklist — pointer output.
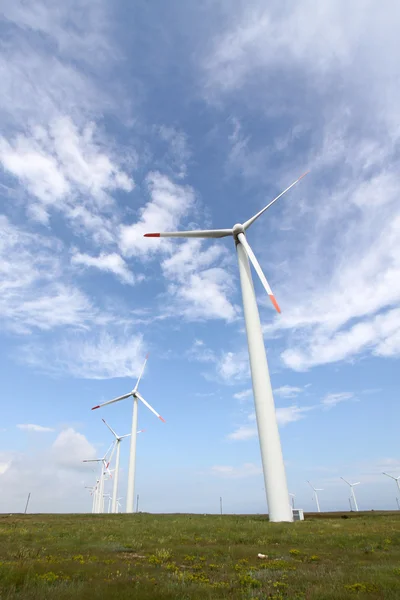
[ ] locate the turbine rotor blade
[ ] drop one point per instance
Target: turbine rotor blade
(110, 428)
(149, 407)
(124, 436)
(256, 265)
(141, 372)
(207, 233)
(113, 400)
(251, 221)
(345, 480)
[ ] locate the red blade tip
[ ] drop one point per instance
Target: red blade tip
(274, 302)
(163, 420)
(304, 174)
(147, 355)
(151, 235)
(94, 407)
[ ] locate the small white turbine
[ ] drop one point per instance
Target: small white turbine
(130, 497)
(270, 444)
(117, 442)
(352, 491)
(316, 495)
(397, 480)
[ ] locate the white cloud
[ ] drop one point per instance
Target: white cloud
(331, 400)
(32, 293)
(35, 428)
(100, 355)
(233, 366)
(61, 167)
(246, 470)
(112, 263)
(199, 289)
(380, 335)
(55, 476)
(169, 204)
(287, 391)
(70, 448)
(241, 396)
(244, 432)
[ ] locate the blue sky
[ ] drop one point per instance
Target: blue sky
(122, 119)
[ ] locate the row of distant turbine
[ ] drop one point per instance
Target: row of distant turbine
(105, 473)
(352, 499)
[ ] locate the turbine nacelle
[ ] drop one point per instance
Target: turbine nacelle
(236, 229)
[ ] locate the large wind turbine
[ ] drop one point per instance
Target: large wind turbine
(130, 497)
(316, 495)
(352, 491)
(271, 453)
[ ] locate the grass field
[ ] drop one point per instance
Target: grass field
(193, 556)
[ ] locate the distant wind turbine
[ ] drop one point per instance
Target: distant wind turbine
(316, 495)
(396, 479)
(130, 497)
(352, 491)
(293, 496)
(117, 443)
(271, 452)
(99, 506)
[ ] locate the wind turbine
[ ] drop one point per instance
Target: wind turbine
(352, 491)
(117, 442)
(293, 496)
(315, 494)
(397, 480)
(271, 452)
(130, 497)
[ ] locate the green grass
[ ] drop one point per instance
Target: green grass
(199, 557)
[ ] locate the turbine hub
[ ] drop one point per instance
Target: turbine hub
(236, 229)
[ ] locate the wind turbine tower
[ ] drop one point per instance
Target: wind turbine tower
(316, 495)
(352, 492)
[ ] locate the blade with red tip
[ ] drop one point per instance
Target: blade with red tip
(251, 221)
(210, 233)
(114, 400)
(256, 265)
(149, 407)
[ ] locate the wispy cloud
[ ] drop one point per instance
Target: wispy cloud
(111, 263)
(169, 203)
(34, 295)
(35, 428)
(100, 355)
(287, 391)
(62, 167)
(331, 400)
